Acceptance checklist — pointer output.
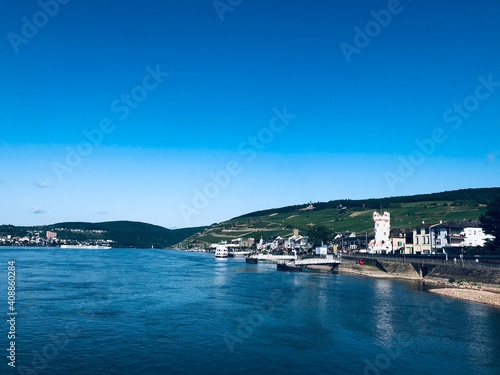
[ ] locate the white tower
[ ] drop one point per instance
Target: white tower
(382, 229)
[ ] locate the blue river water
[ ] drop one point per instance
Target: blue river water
(168, 312)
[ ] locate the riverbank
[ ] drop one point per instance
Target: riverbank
(472, 295)
(467, 288)
(486, 293)
(373, 271)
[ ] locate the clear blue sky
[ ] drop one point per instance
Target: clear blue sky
(294, 100)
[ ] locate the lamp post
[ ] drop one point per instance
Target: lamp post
(404, 246)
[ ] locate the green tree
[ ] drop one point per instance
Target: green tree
(318, 235)
(490, 222)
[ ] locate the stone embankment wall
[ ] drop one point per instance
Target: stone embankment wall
(397, 268)
(474, 275)
(389, 267)
(424, 272)
(384, 267)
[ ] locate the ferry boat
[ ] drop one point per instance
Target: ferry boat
(221, 252)
(288, 267)
(252, 260)
(86, 247)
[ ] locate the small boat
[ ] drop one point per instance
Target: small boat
(250, 259)
(288, 267)
(221, 252)
(239, 254)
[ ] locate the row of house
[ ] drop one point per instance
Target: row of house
(445, 236)
(287, 245)
(37, 238)
(424, 239)
(32, 238)
(296, 242)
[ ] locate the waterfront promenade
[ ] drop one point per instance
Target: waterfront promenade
(469, 262)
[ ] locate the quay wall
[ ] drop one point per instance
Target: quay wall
(414, 270)
(389, 267)
(475, 275)
(428, 271)
(398, 268)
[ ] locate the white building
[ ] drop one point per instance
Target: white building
(475, 236)
(322, 250)
(457, 233)
(382, 229)
(297, 241)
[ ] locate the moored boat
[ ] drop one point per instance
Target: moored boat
(86, 247)
(221, 252)
(250, 259)
(288, 267)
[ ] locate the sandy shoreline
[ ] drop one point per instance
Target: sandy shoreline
(479, 296)
(372, 271)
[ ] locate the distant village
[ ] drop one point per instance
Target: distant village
(427, 238)
(37, 238)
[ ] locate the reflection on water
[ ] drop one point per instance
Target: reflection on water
(323, 294)
(479, 347)
(220, 271)
(383, 309)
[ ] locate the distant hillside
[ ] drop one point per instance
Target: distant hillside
(476, 196)
(122, 233)
(351, 215)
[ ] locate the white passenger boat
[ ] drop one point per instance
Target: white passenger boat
(86, 247)
(221, 251)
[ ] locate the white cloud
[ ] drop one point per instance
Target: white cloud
(37, 210)
(43, 185)
(102, 213)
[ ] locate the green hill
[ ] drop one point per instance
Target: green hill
(351, 215)
(122, 233)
